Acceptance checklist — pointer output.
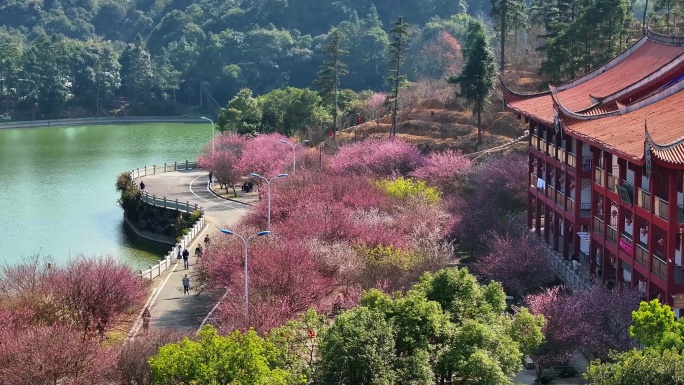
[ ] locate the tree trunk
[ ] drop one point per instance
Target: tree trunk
(504, 3)
(643, 20)
(479, 130)
(234, 191)
(335, 111)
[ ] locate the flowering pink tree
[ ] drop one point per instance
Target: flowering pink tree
(223, 160)
(502, 181)
(374, 107)
(378, 158)
(597, 320)
(603, 317)
(518, 261)
(99, 293)
(441, 169)
(489, 191)
(283, 281)
(266, 155)
(560, 337)
(56, 354)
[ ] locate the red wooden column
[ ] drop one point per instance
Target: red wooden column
(674, 178)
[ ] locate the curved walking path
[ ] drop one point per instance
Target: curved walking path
(169, 307)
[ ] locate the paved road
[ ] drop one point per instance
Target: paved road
(169, 307)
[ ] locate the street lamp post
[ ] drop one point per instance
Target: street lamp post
(268, 183)
(244, 256)
(294, 152)
(213, 146)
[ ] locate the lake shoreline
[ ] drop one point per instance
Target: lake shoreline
(102, 120)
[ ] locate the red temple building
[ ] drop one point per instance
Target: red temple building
(606, 162)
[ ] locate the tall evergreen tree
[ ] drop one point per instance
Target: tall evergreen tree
(509, 16)
(328, 80)
(476, 79)
(397, 53)
(592, 32)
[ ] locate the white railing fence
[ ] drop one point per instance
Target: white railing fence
(156, 270)
(160, 169)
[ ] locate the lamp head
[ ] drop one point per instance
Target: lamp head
(305, 141)
(255, 175)
(224, 231)
(281, 175)
(262, 233)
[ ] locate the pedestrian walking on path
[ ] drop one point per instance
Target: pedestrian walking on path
(186, 255)
(186, 285)
(207, 241)
(211, 179)
(198, 250)
(146, 315)
(179, 253)
(142, 186)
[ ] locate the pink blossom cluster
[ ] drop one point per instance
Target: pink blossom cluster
(234, 156)
(378, 158)
(53, 319)
(319, 223)
(596, 320)
(441, 169)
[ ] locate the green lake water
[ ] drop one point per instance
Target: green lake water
(58, 194)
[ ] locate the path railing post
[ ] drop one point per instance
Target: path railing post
(186, 164)
(164, 202)
(154, 169)
(164, 167)
(175, 166)
(145, 170)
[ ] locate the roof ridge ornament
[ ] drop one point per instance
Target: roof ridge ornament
(647, 150)
(575, 115)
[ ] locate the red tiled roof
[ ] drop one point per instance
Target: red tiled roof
(625, 133)
(643, 61)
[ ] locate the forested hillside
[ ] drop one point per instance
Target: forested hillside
(63, 58)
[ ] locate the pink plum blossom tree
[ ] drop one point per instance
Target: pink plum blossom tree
(374, 107)
(223, 160)
(441, 169)
(377, 158)
(266, 155)
(518, 261)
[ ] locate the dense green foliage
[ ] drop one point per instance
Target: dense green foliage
(661, 362)
(447, 329)
(60, 58)
(239, 358)
(582, 35)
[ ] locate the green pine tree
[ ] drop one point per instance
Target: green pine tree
(476, 79)
(397, 54)
(328, 78)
